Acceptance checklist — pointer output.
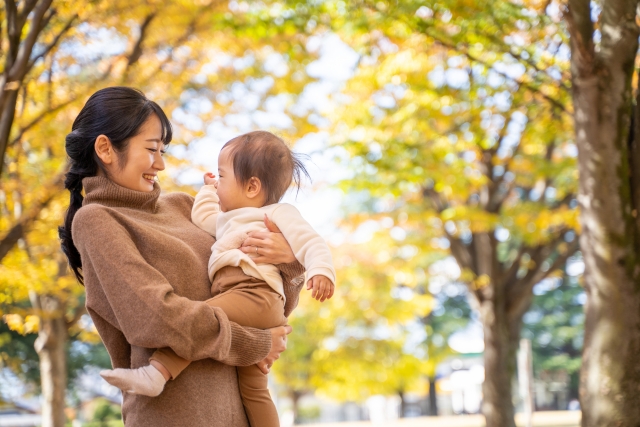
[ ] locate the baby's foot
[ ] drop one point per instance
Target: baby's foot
(147, 381)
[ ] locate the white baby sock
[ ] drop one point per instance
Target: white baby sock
(147, 381)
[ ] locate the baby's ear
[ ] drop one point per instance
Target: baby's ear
(253, 188)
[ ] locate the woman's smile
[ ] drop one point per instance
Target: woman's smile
(149, 177)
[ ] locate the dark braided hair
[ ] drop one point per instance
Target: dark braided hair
(118, 113)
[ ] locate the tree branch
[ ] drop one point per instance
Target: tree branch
(460, 252)
(517, 296)
(38, 119)
(136, 52)
(80, 311)
(519, 82)
(53, 43)
(26, 9)
(18, 68)
(9, 240)
(578, 16)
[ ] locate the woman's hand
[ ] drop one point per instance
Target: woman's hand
(268, 247)
(278, 345)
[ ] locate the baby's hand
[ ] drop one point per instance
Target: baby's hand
(210, 179)
(322, 287)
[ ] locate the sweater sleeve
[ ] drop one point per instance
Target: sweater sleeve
(307, 245)
(292, 281)
(138, 300)
(206, 208)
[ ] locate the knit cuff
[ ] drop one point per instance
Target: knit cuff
(292, 282)
(291, 272)
(248, 345)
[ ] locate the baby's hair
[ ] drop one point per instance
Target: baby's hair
(268, 158)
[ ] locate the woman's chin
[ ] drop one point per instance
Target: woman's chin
(146, 185)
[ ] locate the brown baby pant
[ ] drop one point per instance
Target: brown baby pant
(250, 302)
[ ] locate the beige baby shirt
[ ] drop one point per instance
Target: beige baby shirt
(231, 228)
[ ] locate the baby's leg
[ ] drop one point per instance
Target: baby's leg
(260, 409)
(258, 307)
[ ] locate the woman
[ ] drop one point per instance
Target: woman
(144, 265)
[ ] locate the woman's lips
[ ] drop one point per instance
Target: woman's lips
(150, 178)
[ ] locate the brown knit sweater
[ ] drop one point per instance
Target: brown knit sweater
(145, 270)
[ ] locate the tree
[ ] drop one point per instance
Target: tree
(457, 122)
(354, 345)
(604, 48)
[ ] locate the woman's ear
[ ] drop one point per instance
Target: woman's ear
(104, 149)
(253, 188)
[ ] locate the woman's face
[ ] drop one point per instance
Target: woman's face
(142, 159)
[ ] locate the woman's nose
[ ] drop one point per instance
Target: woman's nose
(158, 162)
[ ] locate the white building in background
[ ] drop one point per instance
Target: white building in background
(460, 385)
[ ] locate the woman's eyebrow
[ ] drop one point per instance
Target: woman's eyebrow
(153, 140)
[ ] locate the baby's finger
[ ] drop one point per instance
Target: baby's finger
(314, 286)
(320, 290)
(325, 293)
(332, 289)
(309, 284)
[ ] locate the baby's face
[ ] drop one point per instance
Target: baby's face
(230, 192)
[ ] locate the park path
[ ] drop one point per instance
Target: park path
(540, 419)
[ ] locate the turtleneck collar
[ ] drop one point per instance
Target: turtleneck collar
(101, 190)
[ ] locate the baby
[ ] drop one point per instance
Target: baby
(254, 172)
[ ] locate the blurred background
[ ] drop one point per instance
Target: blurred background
(444, 178)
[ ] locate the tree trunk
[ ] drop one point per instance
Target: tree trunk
(499, 364)
(601, 81)
(433, 398)
(51, 347)
(295, 398)
(403, 404)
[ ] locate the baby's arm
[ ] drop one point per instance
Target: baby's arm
(309, 248)
(206, 207)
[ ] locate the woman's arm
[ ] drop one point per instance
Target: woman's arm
(274, 249)
(292, 282)
(137, 299)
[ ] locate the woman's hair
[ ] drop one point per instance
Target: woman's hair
(268, 158)
(118, 113)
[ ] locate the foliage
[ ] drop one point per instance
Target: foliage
(106, 411)
(353, 346)
(18, 354)
(555, 324)
(457, 127)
